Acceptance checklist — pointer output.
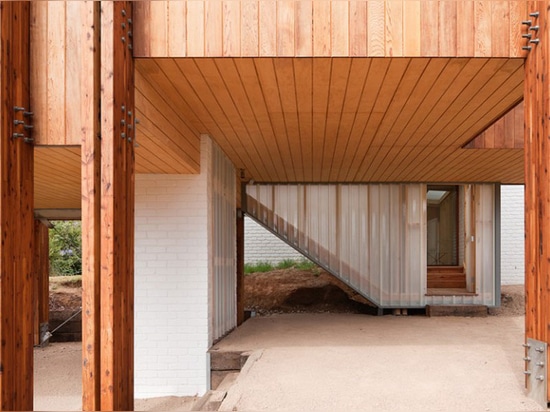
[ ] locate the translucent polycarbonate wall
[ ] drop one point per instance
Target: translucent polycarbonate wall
(373, 237)
(222, 193)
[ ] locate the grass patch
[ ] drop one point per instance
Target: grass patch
(258, 267)
(302, 264)
(67, 281)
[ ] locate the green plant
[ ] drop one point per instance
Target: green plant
(305, 264)
(65, 248)
(286, 264)
(258, 267)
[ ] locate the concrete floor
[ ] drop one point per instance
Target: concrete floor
(354, 362)
(345, 362)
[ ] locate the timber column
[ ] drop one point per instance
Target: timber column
(117, 207)
(108, 218)
(537, 186)
(16, 211)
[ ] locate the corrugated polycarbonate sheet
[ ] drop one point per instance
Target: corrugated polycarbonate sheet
(373, 237)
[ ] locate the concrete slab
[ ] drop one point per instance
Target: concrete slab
(354, 362)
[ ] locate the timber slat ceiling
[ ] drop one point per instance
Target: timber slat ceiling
(315, 120)
(336, 119)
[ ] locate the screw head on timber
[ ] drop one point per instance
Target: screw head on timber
(123, 108)
(130, 22)
(123, 26)
(534, 28)
(123, 135)
(540, 378)
(129, 113)
(130, 34)
(527, 359)
(123, 39)
(18, 122)
(18, 135)
(534, 41)
(527, 372)
(541, 364)
(28, 114)
(123, 13)
(130, 47)
(526, 345)
(528, 48)
(540, 349)
(534, 14)
(527, 35)
(28, 140)
(527, 22)
(19, 109)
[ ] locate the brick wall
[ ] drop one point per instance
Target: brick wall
(172, 283)
(261, 245)
(512, 235)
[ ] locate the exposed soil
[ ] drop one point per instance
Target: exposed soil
(295, 291)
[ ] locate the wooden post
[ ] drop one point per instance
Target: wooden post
(41, 268)
(16, 211)
(240, 267)
(91, 183)
(117, 207)
(537, 180)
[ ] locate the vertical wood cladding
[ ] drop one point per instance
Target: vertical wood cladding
(406, 28)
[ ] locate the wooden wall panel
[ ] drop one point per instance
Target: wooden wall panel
(398, 28)
(505, 133)
(16, 212)
(57, 79)
(537, 182)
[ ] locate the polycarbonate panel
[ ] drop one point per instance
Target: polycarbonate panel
(373, 237)
(370, 236)
(223, 192)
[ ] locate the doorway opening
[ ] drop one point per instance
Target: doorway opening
(443, 240)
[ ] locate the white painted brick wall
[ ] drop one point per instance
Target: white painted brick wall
(260, 245)
(171, 285)
(512, 235)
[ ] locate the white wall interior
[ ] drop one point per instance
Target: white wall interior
(174, 260)
(512, 238)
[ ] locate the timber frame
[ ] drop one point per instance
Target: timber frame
(122, 70)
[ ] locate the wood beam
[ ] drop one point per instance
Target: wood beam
(240, 267)
(117, 207)
(16, 215)
(537, 180)
(90, 189)
(41, 271)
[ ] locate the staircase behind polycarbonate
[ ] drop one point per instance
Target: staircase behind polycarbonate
(369, 236)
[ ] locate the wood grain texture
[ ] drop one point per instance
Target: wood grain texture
(398, 28)
(117, 205)
(505, 133)
(16, 213)
(89, 162)
(537, 190)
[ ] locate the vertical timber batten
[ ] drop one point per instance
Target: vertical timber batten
(16, 212)
(90, 155)
(117, 207)
(537, 181)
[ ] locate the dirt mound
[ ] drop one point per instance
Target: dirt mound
(294, 290)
